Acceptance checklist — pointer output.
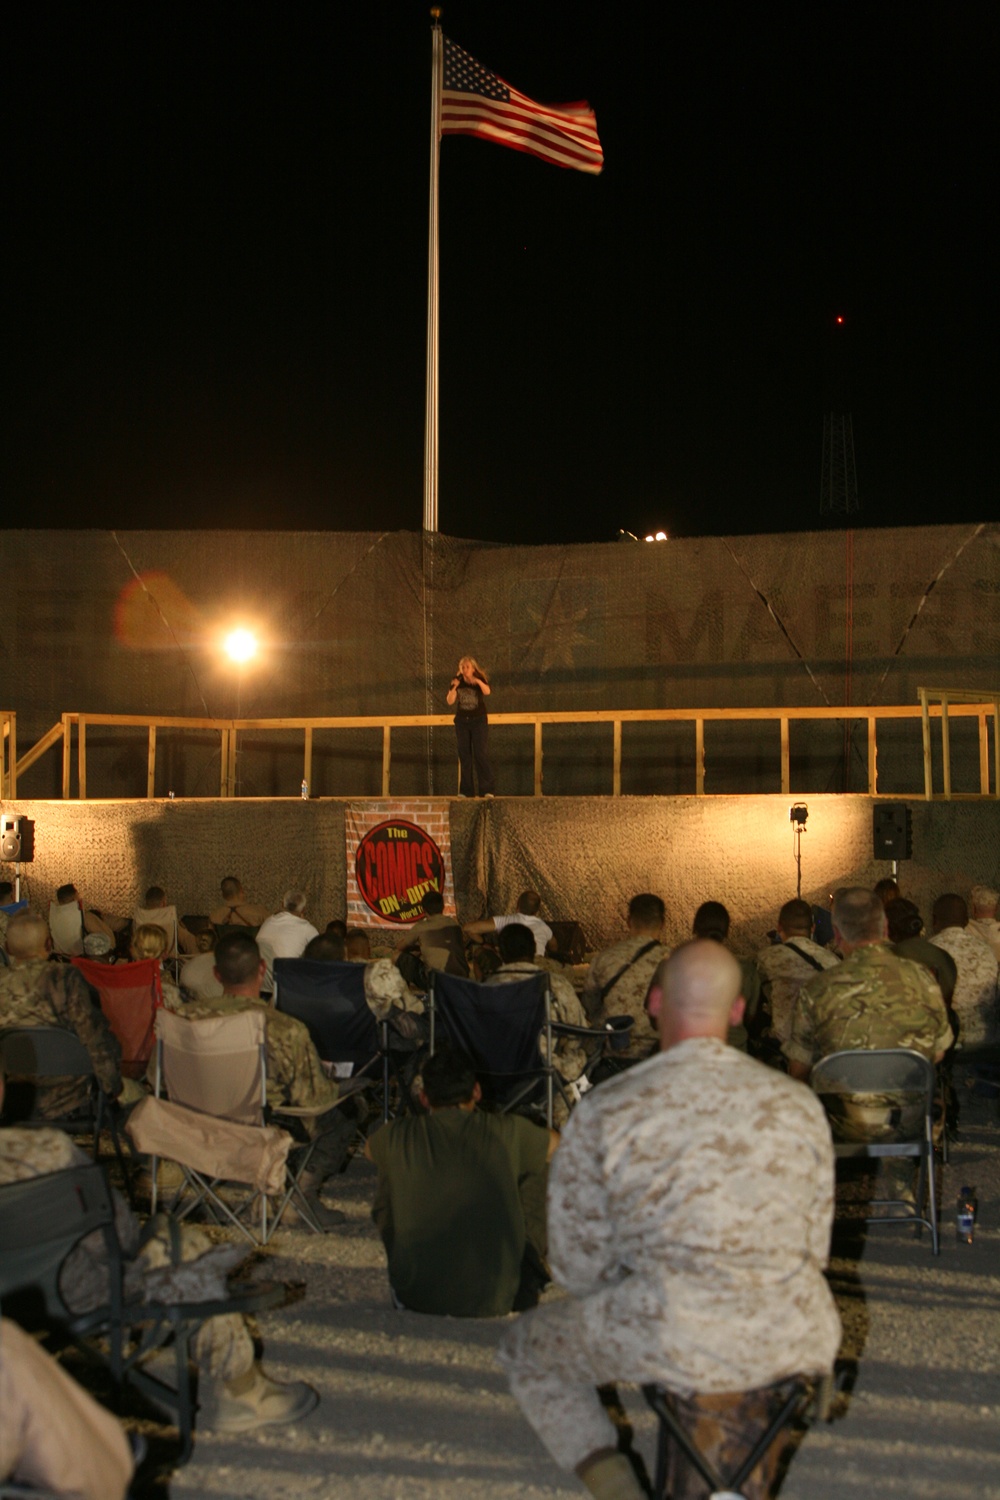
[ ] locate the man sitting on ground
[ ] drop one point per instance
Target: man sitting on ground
(234, 1394)
(295, 1074)
(460, 1201)
(236, 910)
(619, 977)
(690, 1206)
(975, 997)
(786, 966)
(34, 992)
(529, 904)
(517, 949)
(873, 999)
(983, 921)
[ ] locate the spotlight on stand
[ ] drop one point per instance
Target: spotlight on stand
(797, 816)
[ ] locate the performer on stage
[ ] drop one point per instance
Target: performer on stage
(467, 694)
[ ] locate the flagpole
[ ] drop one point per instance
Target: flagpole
(431, 416)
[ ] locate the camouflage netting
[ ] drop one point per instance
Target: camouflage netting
(585, 856)
(373, 624)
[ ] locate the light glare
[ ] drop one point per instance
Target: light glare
(240, 645)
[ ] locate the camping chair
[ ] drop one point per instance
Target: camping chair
(29, 1055)
(329, 999)
(901, 1073)
(41, 1221)
(66, 927)
(214, 1123)
(130, 995)
(497, 1026)
(805, 1399)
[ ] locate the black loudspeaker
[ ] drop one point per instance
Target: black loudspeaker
(892, 831)
(17, 840)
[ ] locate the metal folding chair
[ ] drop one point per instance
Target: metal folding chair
(41, 1221)
(507, 1032)
(901, 1074)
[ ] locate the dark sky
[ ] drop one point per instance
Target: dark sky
(216, 308)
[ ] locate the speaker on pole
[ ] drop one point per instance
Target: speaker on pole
(892, 830)
(17, 840)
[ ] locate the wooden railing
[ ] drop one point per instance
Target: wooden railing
(954, 703)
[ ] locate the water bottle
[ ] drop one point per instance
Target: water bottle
(305, 790)
(965, 1215)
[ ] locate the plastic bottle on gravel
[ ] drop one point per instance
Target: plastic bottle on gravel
(965, 1215)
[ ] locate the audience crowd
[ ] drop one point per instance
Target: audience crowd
(663, 1191)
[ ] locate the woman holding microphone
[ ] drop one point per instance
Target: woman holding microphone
(467, 694)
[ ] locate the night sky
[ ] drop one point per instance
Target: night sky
(217, 217)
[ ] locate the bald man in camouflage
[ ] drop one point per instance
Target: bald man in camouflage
(690, 1205)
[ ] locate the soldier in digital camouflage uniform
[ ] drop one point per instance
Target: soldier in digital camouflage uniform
(295, 1074)
(786, 966)
(519, 964)
(619, 977)
(983, 921)
(873, 999)
(237, 1395)
(975, 998)
(35, 992)
(692, 1261)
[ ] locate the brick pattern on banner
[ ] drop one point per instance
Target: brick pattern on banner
(430, 814)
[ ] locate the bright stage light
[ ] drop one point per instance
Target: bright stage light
(661, 536)
(240, 645)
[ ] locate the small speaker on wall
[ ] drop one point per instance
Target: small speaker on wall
(892, 830)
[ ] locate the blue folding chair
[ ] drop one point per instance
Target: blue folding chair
(329, 999)
(497, 1026)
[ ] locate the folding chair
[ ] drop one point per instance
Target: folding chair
(329, 999)
(130, 995)
(165, 917)
(216, 1125)
(30, 1055)
(41, 1221)
(903, 1074)
(66, 928)
(805, 1398)
(498, 1028)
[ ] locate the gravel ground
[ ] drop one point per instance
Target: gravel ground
(415, 1406)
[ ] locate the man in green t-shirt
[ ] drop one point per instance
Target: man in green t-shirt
(460, 1202)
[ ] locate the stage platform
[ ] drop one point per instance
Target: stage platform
(586, 856)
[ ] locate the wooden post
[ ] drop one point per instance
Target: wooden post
(538, 758)
(223, 761)
(925, 724)
(872, 757)
(151, 763)
(386, 758)
(616, 776)
(68, 750)
(786, 767)
(231, 771)
(996, 747)
(699, 757)
(945, 747)
(984, 756)
(81, 758)
(307, 759)
(10, 771)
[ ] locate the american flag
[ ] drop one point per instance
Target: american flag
(477, 102)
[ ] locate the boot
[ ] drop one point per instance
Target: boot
(610, 1476)
(253, 1400)
(327, 1218)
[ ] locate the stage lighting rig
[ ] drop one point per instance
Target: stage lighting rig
(798, 813)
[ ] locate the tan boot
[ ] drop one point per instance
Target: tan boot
(610, 1476)
(253, 1400)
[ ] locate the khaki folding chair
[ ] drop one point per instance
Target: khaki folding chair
(215, 1125)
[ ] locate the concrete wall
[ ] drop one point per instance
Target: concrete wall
(585, 855)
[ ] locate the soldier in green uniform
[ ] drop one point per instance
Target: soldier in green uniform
(35, 992)
(873, 999)
(295, 1074)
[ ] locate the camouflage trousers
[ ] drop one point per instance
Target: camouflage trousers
(554, 1374)
(222, 1346)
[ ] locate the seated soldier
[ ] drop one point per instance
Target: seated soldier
(159, 912)
(295, 1074)
(690, 1206)
(784, 967)
(619, 976)
(435, 942)
(234, 1394)
(236, 910)
(357, 944)
(70, 922)
(460, 1201)
(34, 992)
(517, 950)
(151, 942)
(975, 997)
(711, 921)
